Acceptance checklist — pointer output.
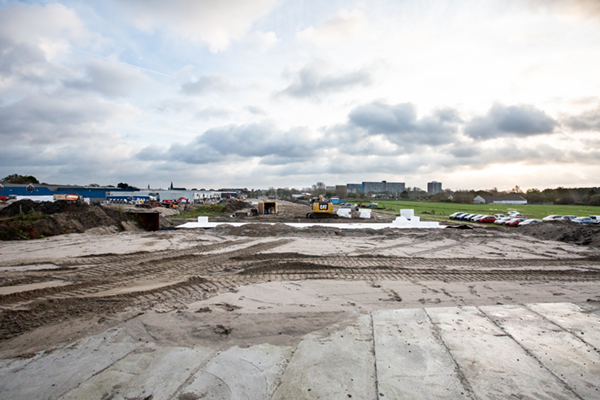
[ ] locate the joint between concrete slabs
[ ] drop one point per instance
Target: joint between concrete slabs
(555, 324)
(283, 371)
(194, 372)
(97, 373)
(461, 376)
(530, 354)
(374, 356)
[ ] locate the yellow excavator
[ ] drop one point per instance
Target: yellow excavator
(321, 208)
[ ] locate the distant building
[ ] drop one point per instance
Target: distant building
(395, 187)
(434, 187)
(354, 187)
(42, 191)
(376, 187)
(504, 199)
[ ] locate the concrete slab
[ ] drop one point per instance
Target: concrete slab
(239, 374)
(412, 362)
(571, 317)
(332, 366)
(50, 375)
(203, 223)
(570, 359)
(148, 371)
(493, 364)
(535, 351)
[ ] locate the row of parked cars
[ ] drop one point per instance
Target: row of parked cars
(515, 218)
(592, 219)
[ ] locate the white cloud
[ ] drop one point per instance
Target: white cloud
(263, 40)
(342, 27)
(217, 23)
(51, 28)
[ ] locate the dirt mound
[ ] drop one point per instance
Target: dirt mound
(282, 230)
(32, 220)
(587, 235)
(232, 206)
(46, 207)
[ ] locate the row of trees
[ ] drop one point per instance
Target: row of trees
(560, 195)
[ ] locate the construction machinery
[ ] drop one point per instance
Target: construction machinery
(71, 197)
(177, 202)
(321, 208)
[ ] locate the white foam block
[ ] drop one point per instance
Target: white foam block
(407, 213)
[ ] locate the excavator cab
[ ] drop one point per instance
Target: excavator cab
(321, 208)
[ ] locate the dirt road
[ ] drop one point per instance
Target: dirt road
(48, 290)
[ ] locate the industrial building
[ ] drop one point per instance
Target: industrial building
(42, 192)
(46, 192)
(505, 199)
(193, 196)
(376, 187)
(434, 187)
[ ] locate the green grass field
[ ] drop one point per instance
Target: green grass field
(208, 210)
(443, 210)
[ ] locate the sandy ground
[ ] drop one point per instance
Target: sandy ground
(193, 305)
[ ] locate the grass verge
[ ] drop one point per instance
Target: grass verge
(443, 210)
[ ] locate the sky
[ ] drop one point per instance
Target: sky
(475, 94)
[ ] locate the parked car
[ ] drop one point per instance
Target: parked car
(512, 212)
(569, 217)
(515, 222)
(502, 221)
(583, 220)
(553, 218)
(596, 218)
(475, 217)
(465, 217)
(456, 215)
(498, 216)
(488, 219)
(529, 222)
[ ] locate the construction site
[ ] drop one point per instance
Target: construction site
(280, 304)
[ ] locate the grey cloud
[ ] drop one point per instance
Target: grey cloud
(510, 121)
(309, 82)
(257, 140)
(207, 84)
(112, 80)
(586, 121)
(464, 151)
(213, 112)
(400, 125)
(253, 140)
(47, 119)
(255, 110)
(18, 57)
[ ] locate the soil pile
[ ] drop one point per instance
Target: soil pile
(27, 219)
(587, 235)
(232, 206)
(46, 207)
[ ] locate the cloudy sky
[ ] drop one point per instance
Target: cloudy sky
(233, 93)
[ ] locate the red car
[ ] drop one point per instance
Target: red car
(487, 219)
(515, 221)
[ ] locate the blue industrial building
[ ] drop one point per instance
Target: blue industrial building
(95, 194)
